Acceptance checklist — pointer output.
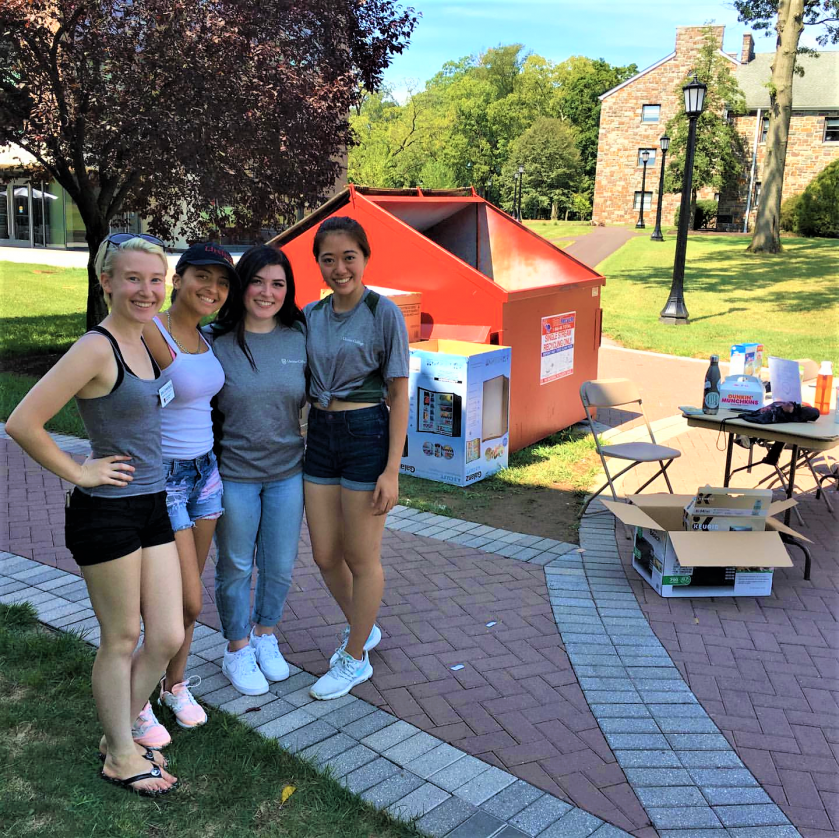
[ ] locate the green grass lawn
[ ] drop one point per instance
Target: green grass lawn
(788, 302)
(232, 779)
(560, 229)
(42, 309)
(13, 387)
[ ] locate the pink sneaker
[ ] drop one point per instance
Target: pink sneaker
(148, 731)
(188, 712)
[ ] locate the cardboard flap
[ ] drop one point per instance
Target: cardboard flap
(631, 515)
(780, 526)
(780, 505)
(730, 549)
(660, 499)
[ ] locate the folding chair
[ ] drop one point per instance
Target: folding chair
(619, 392)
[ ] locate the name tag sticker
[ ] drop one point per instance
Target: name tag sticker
(166, 393)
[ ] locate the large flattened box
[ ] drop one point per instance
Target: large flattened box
(458, 421)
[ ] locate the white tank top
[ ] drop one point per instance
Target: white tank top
(185, 423)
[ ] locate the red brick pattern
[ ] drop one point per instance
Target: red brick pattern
(766, 669)
(515, 704)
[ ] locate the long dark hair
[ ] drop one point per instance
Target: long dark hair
(231, 317)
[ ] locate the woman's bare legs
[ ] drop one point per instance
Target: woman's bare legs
(346, 544)
(116, 589)
(193, 549)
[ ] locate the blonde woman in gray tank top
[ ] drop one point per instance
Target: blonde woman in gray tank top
(117, 527)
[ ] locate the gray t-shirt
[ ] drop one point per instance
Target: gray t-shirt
(353, 354)
(256, 415)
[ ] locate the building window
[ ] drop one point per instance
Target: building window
(764, 129)
(757, 195)
(650, 161)
(831, 129)
(650, 113)
(648, 200)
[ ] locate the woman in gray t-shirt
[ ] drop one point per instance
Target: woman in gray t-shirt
(358, 357)
(260, 341)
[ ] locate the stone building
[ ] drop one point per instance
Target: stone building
(633, 116)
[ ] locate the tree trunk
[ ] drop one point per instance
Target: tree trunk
(692, 219)
(767, 235)
(554, 211)
(97, 309)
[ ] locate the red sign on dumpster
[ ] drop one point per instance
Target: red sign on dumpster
(557, 347)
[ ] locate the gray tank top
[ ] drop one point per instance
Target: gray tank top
(127, 421)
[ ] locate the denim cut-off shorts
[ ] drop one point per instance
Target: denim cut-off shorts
(193, 490)
(347, 448)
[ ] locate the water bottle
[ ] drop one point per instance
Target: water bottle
(711, 398)
(824, 384)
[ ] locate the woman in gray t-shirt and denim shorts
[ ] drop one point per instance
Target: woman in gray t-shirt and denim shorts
(358, 357)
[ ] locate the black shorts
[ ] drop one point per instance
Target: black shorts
(100, 530)
(347, 448)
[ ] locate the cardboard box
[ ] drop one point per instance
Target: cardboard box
(676, 563)
(726, 509)
(409, 302)
(742, 392)
(746, 359)
(458, 418)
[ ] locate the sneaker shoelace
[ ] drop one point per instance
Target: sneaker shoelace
(246, 663)
(269, 647)
(183, 697)
(145, 720)
(346, 666)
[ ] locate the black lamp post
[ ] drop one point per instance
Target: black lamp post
(645, 156)
(521, 179)
(675, 312)
(664, 142)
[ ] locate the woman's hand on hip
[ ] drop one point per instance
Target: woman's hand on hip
(107, 471)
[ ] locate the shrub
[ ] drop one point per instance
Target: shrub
(818, 210)
(789, 213)
(706, 211)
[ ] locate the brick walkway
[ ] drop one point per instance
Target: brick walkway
(517, 703)
(765, 668)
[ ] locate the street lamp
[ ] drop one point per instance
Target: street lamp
(521, 178)
(675, 312)
(645, 156)
(664, 142)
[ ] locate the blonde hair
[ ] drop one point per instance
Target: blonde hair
(104, 263)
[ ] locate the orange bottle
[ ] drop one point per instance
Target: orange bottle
(824, 383)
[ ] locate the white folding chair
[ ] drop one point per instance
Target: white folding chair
(620, 392)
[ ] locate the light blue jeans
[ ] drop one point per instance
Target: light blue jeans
(261, 517)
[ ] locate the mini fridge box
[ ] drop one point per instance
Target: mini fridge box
(679, 563)
(409, 302)
(746, 359)
(458, 420)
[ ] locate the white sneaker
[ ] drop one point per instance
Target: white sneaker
(345, 674)
(372, 641)
(268, 656)
(241, 670)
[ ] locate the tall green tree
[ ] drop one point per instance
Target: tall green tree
(789, 17)
(719, 152)
(179, 109)
(548, 153)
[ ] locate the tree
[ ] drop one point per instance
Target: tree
(790, 16)
(191, 112)
(719, 151)
(548, 153)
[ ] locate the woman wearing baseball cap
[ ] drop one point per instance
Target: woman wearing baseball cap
(204, 276)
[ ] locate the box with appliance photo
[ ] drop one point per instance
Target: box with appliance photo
(458, 424)
(702, 563)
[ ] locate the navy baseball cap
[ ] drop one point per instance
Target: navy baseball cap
(206, 253)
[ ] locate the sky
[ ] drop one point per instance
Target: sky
(619, 31)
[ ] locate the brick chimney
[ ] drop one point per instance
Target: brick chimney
(690, 39)
(747, 54)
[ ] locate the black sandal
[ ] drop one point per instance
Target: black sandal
(149, 755)
(154, 774)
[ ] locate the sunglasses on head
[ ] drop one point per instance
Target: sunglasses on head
(121, 238)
